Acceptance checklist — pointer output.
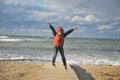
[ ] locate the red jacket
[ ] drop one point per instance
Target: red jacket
(59, 39)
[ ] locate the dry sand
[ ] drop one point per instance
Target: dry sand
(20, 71)
(32, 71)
(97, 72)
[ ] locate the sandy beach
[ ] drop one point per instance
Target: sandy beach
(86, 72)
(32, 71)
(20, 71)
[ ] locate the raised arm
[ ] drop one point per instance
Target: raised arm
(69, 31)
(52, 28)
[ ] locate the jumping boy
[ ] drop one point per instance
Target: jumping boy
(59, 36)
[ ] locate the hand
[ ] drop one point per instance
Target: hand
(48, 23)
(75, 28)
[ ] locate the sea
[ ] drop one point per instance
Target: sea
(81, 51)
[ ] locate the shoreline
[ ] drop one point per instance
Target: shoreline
(20, 70)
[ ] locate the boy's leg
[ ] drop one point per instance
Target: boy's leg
(54, 56)
(63, 57)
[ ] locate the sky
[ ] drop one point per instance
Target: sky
(94, 18)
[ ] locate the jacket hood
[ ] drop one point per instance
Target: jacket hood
(59, 29)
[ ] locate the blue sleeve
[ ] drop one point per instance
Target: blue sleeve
(68, 32)
(52, 29)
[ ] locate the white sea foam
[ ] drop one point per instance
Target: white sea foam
(3, 37)
(8, 39)
(16, 39)
(11, 40)
(93, 61)
(70, 59)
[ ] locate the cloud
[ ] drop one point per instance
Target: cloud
(114, 23)
(118, 30)
(6, 1)
(2, 30)
(32, 14)
(87, 18)
(103, 8)
(32, 1)
(101, 28)
(40, 15)
(107, 8)
(24, 29)
(77, 19)
(91, 18)
(55, 10)
(117, 18)
(67, 18)
(82, 29)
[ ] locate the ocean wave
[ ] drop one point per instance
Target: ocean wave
(77, 51)
(26, 59)
(80, 61)
(23, 58)
(3, 37)
(93, 61)
(84, 59)
(8, 39)
(11, 40)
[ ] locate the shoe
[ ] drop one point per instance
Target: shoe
(65, 68)
(54, 64)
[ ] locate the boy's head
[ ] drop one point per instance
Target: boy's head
(59, 30)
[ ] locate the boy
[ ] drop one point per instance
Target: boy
(59, 36)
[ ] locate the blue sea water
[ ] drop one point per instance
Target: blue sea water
(80, 51)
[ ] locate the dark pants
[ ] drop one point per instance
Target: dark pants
(61, 50)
